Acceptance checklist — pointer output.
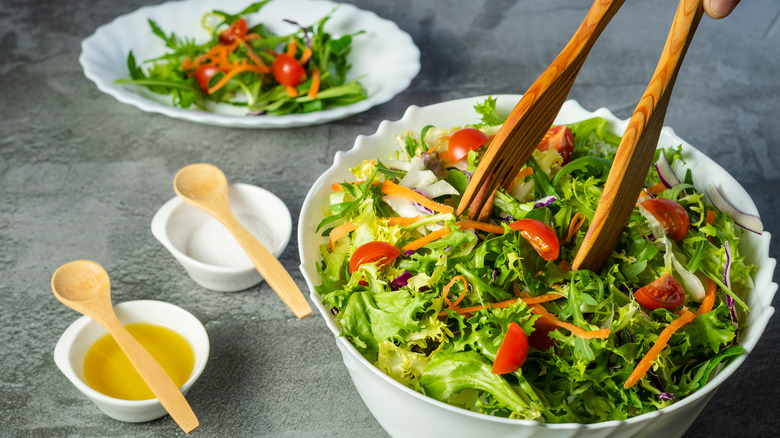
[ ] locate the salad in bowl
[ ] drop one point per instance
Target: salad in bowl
(487, 323)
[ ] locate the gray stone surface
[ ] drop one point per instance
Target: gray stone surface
(82, 175)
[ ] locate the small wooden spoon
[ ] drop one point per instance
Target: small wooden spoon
(526, 125)
(85, 287)
(637, 147)
(205, 186)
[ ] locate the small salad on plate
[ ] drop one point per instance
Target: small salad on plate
(490, 317)
(247, 64)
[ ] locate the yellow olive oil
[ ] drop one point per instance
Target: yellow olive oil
(108, 370)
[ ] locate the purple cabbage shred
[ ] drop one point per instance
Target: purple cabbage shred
(400, 281)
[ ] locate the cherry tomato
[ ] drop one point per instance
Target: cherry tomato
(465, 140)
(561, 138)
(540, 338)
(372, 252)
(288, 71)
(540, 235)
(203, 75)
(665, 292)
(512, 352)
(236, 30)
(670, 214)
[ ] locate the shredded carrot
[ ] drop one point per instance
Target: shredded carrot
(575, 330)
(710, 218)
(564, 265)
(305, 55)
(291, 48)
(336, 187)
(482, 226)
(576, 222)
(428, 238)
(339, 232)
(291, 91)
(531, 301)
(402, 221)
(709, 297)
(656, 189)
(644, 365)
(393, 189)
(444, 155)
(315, 83)
(524, 173)
(446, 291)
(234, 71)
(642, 196)
(436, 143)
(549, 296)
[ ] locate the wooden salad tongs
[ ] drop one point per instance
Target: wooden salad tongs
(533, 115)
(637, 147)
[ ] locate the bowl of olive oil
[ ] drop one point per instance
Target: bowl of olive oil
(94, 363)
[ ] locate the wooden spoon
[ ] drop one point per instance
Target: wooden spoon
(637, 148)
(526, 125)
(205, 186)
(85, 287)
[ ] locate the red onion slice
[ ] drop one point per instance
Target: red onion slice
(747, 221)
(665, 171)
(727, 281)
(544, 202)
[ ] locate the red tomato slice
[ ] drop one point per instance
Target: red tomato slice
(670, 214)
(373, 252)
(512, 352)
(541, 237)
(540, 337)
(465, 140)
(237, 29)
(561, 138)
(288, 71)
(665, 292)
(203, 75)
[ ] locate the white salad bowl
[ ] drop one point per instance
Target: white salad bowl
(72, 347)
(421, 416)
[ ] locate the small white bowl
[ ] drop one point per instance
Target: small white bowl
(71, 349)
(208, 252)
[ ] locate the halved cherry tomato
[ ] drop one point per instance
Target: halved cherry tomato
(561, 138)
(670, 214)
(237, 29)
(288, 71)
(512, 352)
(373, 252)
(203, 75)
(665, 292)
(540, 337)
(541, 237)
(465, 140)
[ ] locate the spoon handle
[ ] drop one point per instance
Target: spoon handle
(153, 374)
(269, 267)
(638, 145)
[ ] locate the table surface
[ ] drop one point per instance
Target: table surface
(82, 175)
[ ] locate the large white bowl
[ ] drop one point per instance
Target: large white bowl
(406, 413)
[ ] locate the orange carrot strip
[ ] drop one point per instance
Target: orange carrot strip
(644, 365)
(336, 187)
(710, 218)
(482, 226)
(393, 189)
(709, 297)
(305, 55)
(564, 265)
(436, 143)
(656, 189)
(315, 83)
(498, 305)
(234, 71)
(340, 231)
(531, 301)
(575, 330)
(549, 296)
(291, 48)
(291, 91)
(428, 238)
(403, 221)
(576, 222)
(446, 291)
(642, 196)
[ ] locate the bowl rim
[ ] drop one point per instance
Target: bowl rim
(760, 317)
(164, 214)
(67, 340)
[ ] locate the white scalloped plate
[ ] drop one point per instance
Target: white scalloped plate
(388, 400)
(384, 59)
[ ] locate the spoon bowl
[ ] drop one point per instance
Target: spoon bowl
(85, 286)
(205, 186)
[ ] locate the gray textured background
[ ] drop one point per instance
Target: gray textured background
(82, 175)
